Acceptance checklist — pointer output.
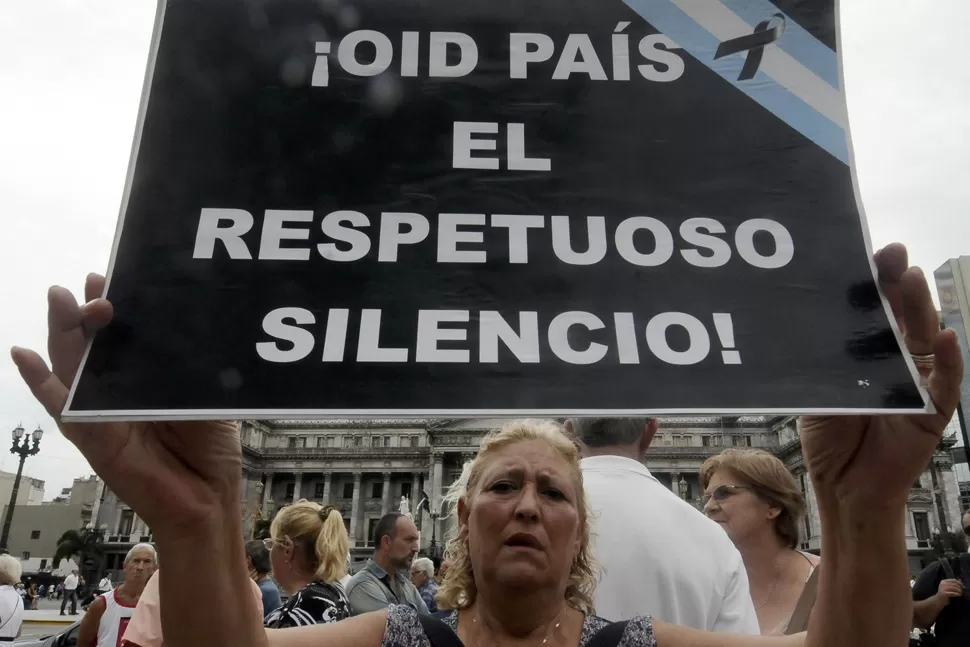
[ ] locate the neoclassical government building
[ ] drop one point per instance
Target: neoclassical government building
(366, 467)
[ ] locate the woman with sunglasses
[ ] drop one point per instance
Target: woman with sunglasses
(754, 498)
(308, 551)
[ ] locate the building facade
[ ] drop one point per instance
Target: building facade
(34, 534)
(31, 490)
(366, 468)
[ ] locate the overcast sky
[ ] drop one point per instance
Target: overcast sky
(71, 74)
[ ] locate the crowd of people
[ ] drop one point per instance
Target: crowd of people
(563, 537)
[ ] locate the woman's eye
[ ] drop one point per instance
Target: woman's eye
(555, 494)
(502, 486)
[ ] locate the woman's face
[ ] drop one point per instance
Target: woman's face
(522, 518)
(736, 507)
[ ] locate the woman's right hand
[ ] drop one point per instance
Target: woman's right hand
(180, 477)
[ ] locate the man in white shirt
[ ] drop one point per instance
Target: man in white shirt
(70, 592)
(105, 622)
(659, 555)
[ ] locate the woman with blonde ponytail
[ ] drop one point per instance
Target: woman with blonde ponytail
(308, 549)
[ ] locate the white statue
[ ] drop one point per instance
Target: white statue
(405, 507)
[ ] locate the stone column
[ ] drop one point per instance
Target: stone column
(136, 525)
(355, 510)
(675, 483)
(425, 516)
(326, 487)
(415, 493)
(435, 493)
(297, 486)
(386, 498)
(268, 494)
(118, 520)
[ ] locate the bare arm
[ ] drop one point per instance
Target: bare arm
(87, 633)
(926, 611)
(211, 552)
(360, 631)
(864, 596)
(677, 636)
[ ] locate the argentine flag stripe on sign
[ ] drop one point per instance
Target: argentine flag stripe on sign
(797, 77)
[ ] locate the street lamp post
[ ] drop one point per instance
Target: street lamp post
(434, 528)
(683, 488)
(24, 449)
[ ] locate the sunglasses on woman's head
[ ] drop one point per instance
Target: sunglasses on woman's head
(722, 492)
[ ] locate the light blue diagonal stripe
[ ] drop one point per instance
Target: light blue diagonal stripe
(796, 41)
(701, 44)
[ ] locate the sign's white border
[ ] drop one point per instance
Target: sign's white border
(71, 415)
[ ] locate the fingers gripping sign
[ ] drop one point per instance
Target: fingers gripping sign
(173, 474)
(873, 460)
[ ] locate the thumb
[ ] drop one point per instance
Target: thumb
(45, 386)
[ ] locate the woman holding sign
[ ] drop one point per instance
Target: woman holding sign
(519, 573)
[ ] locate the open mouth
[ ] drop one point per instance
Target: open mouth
(522, 540)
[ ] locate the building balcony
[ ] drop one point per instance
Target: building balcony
(120, 541)
(342, 452)
(693, 450)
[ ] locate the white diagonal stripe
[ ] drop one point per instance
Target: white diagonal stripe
(724, 24)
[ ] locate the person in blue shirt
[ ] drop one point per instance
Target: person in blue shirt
(422, 576)
(257, 557)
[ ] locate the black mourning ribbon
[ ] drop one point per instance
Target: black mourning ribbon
(754, 43)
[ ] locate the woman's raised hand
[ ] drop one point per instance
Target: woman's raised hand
(175, 475)
(871, 462)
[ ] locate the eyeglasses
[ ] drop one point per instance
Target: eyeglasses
(269, 543)
(723, 492)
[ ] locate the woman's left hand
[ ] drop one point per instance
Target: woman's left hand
(871, 462)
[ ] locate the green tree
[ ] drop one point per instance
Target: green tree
(86, 544)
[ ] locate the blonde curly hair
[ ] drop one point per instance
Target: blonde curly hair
(457, 589)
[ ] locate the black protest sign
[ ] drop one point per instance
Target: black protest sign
(459, 207)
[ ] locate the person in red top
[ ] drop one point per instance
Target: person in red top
(106, 620)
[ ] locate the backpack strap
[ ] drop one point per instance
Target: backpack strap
(438, 633)
(963, 563)
(947, 568)
(608, 636)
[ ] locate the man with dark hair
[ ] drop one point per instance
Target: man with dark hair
(386, 578)
(941, 597)
(660, 556)
(260, 566)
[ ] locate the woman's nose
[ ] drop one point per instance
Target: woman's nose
(710, 506)
(528, 504)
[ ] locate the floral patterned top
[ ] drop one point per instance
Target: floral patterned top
(316, 603)
(404, 629)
